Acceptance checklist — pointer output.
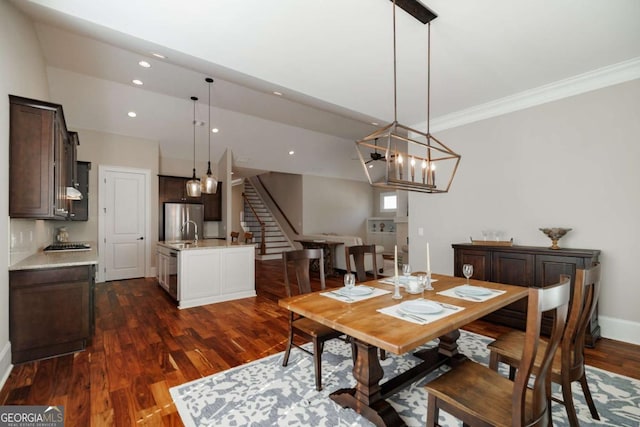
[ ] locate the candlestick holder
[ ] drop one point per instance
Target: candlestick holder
(428, 286)
(396, 288)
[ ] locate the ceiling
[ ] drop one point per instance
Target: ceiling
(331, 60)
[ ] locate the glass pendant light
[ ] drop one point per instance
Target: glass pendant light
(193, 185)
(209, 183)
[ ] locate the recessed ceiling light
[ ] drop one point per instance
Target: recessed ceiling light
(215, 130)
(137, 82)
(374, 123)
(370, 166)
(158, 55)
(144, 64)
(275, 92)
(131, 114)
(291, 153)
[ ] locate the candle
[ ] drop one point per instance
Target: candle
(395, 261)
(413, 168)
(428, 260)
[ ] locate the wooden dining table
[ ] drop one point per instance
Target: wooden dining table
(371, 330)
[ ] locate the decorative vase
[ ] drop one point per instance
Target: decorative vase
(555, 234)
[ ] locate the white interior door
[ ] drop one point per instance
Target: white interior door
(125, 223)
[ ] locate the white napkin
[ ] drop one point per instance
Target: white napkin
(475, 298)
(335, 294)
(420, 319)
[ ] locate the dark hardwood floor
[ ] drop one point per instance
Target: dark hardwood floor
(144, 345)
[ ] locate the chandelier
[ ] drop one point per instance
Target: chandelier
(400, 157)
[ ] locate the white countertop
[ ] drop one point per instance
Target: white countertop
(202, 244)
(56, 259)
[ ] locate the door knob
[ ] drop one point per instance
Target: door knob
(140, 238)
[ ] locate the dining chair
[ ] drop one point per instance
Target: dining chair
(478, 395)
(298, 325)
(568, 363)
(234, 236)
(358, 252)
(248, 237)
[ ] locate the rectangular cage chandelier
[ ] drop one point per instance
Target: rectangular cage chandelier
(403, 158)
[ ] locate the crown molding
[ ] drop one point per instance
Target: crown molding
(592, 80)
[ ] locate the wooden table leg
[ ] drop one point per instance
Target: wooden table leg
(366, 398)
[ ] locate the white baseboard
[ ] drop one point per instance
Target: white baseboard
(619, 329)
(5, 363)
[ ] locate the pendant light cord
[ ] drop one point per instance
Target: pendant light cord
(209, 128)
(428, 77)
(194, 135)
(395, 89)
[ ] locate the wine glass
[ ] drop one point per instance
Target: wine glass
(467, 270)
(422, 283)
(406, 270)
(349, 281)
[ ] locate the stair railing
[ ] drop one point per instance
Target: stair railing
(263, 245)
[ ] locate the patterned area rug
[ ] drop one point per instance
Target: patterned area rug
(263, 393)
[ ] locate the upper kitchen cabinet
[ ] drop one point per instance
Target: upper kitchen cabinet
(174, 189)
(40, 151)
(213, 205)
(79, 209)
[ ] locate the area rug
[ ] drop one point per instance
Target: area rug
(264, 393)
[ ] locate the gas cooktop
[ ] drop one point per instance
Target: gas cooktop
(68, 246)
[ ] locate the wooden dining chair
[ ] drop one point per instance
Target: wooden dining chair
(298, 325)
(568, 363)
(234, 236)
(358, 252)
(248, 237)
(478, 395)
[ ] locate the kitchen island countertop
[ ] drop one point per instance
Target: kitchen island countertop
(202, 244)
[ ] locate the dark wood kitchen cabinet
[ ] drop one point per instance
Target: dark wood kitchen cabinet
(525, 266)
(213, 205)
(40, 150)
(51, 311)
(173, 189)
(79, 209)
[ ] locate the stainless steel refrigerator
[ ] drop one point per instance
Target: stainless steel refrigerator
(179, 219)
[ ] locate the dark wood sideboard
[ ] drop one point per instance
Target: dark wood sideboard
(525, 266)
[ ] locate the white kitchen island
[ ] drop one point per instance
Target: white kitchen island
(206, 271)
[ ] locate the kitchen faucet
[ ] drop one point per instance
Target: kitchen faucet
(186, 224)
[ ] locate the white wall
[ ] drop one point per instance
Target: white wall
(333, 205)
(22, 72)
(286, 189)
(570, 163)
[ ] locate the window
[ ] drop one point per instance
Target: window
(388, 202)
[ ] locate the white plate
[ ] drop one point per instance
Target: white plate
(420, 307)
(475, 291)
(357, 291)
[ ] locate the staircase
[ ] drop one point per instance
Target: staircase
(275, 240)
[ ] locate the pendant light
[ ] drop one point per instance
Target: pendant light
(408, 157)
(193, 185)
(209, 183)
